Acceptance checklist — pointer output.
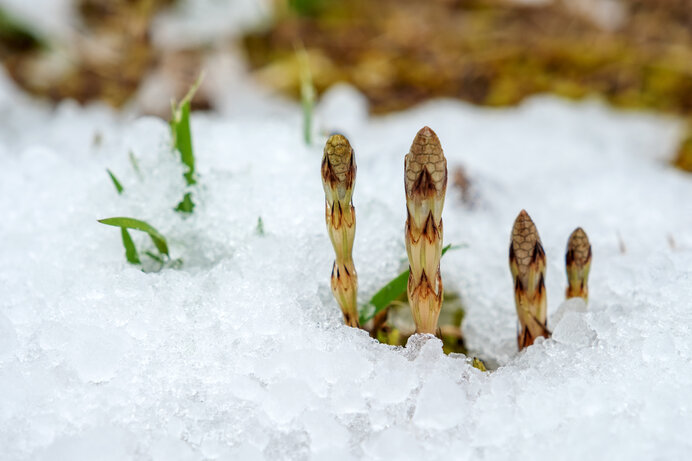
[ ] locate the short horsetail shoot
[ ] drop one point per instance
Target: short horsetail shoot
(578, 264)
(527, 264)
(425, 183)
(338, 179)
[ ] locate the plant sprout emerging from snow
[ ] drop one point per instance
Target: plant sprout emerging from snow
(478, 363)
(118, 186)
(125, 224)
(527, 264)
(425, 183)
(307, 93)
(386, 295)
(131, 253)
(578, 264)
(338, 178)
(182, 142)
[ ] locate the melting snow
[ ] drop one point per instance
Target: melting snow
(241, 353)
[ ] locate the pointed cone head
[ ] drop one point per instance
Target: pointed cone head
(578, 248)
(338, 165)
(425, 165)
(524, 241)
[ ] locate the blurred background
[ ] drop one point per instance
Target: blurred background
(138, 54)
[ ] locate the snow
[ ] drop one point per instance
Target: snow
(54, 19)
(241, 353)
(189, 23)
(200, 22)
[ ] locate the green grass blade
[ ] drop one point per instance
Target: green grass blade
(116, 183)
(134, 162)
(130, 249)
(158, 259)
(307, 93)
(182, 140)
(186, 205)
(154, 256)
(308, 8)
(131, 223)
(388, 293)
(182, 135)
(259, 230)
(478, 363)
(384, 297)
(14, 33)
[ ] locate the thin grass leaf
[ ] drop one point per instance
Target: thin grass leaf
(13, 31)
(131, 223)
(134, 162)
(182, 139)
(186, 205)
(307, 93)
(384, 297)
(259, 230)
(116, 183)
(130, 248)
(478, 363)
(175, 263)
(155, 257)
(182, 135)
(307, 8)
(391, 291)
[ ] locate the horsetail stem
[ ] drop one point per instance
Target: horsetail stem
(338, 178)
(425, 181)
(578, 264)
(527, 264)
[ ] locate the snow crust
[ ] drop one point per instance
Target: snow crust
(241, 354)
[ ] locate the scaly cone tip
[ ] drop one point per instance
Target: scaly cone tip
(426, 154)
(578, 248)
(525, 240)
(339, 155)
(338, 169)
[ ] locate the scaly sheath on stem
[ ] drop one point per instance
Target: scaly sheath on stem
(338, 178)
(578, 264)
(527, 264)
(425, 179)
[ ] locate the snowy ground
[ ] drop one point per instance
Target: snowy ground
(241, 353)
